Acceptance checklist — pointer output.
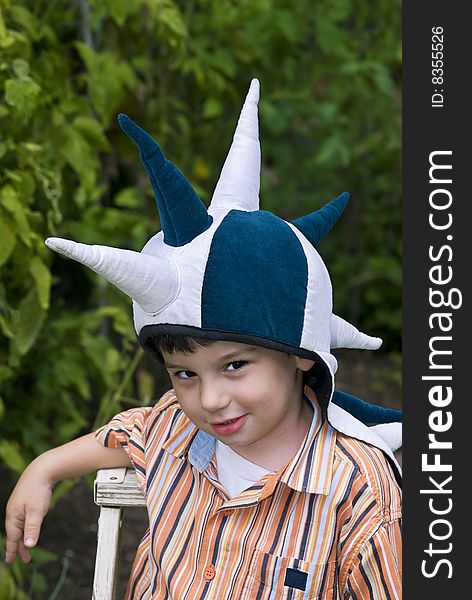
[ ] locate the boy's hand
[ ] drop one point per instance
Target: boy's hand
(31, 497)
(25, 511)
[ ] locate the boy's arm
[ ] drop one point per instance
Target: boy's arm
(30, 499)
(80, 457)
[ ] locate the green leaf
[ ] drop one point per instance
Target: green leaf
(24, 182)
(331, 38)
(381, 77)
(21, 68)
(79, 155)
(167, 13)
(333, 150)
(9, 199)
(119, 10)
(51, 185)
(107, 78)
(287, 24)
(212, 108)
(70, 429)
(5, 328)
(11, 454)
(146, 384)
(6, 373)
(129, 198)
(22, 94)
(30, 320)
(31, 147)
(41, 556)
(92, 131)
(113, 361)
(5, 38)
(75, 419)
(7, 582)
(96, 350)
(24, 18)
(7, 237)
(42, 277)
(224, 61)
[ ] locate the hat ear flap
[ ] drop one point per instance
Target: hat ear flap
(364, 411)
(391, 434)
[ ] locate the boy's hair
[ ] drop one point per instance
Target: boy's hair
(183, 344)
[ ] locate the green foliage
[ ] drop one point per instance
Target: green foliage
(25, 582)
(330, 113)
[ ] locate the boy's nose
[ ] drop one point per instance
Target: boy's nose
(213, 399)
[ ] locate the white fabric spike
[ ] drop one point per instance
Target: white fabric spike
(391, 433)
(239, 182)
(152, 282)
(345, 335)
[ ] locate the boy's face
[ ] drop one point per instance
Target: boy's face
(248, 397)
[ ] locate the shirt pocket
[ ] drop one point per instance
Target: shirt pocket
(272, 577)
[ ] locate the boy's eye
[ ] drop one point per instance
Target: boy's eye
(184, 374)
(237, 364)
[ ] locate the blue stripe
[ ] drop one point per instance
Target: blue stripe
(379, 566)
(359, 493)
(366, 579)
(351, 591)
(181, 555)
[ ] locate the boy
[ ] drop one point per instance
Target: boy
(257, 484)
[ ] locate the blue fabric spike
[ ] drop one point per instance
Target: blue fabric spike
(183, 215)
(318, 223)
(369, 414)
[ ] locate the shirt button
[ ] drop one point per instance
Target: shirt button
(209, 572)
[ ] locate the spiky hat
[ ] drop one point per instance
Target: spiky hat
(232, 271)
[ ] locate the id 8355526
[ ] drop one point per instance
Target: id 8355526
(437, 66)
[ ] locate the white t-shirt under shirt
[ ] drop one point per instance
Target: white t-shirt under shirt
(235, 472)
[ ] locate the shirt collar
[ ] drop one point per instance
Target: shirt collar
(310, 470)
(186, 439)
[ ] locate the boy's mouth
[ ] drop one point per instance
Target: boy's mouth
(228, 426)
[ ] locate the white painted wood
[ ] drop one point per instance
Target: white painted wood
(108, 544)
(118, 487)
(116, 475)
(113, 490)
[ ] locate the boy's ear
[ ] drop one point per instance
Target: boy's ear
(304, 364)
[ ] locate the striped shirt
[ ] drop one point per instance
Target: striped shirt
(325, 526)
